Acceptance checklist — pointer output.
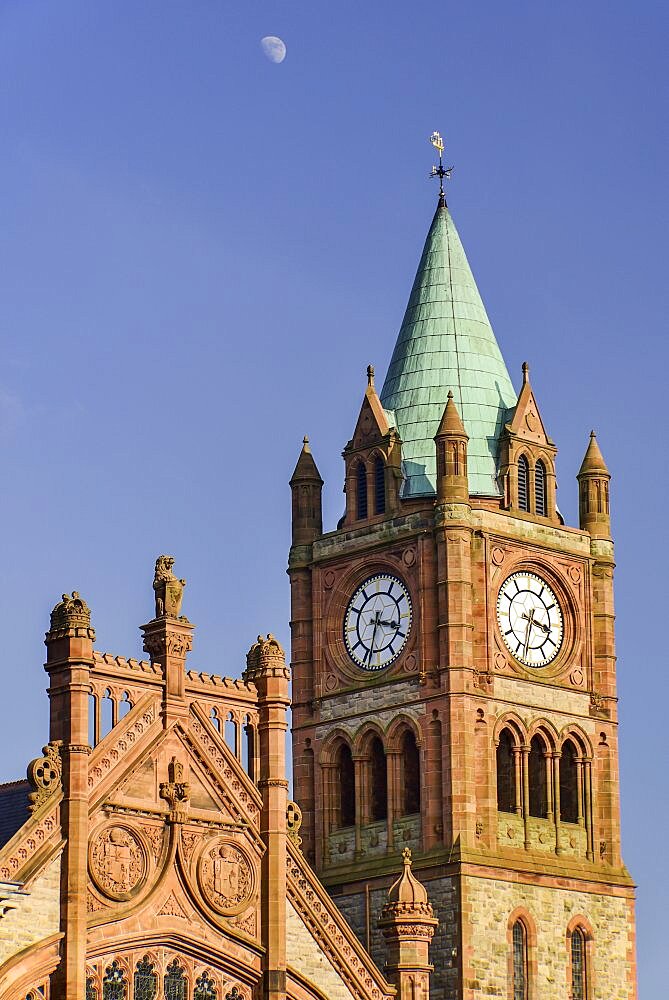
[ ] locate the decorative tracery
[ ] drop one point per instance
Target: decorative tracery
(114, 984)
(205, 988)
(175, 984)
(146, 980)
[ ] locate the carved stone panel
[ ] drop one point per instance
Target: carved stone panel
(118, 861)
(225, 876)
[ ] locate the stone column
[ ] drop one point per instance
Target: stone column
(266, 668)
(556, 799)
(525, 750)
(69, 660)
(408, 924)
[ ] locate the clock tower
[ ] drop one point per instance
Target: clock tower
(453, 658)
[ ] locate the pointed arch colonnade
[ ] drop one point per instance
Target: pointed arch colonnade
(371, 780)
(541, 774)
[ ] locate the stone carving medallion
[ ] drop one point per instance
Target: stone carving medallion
(118, 861)
(225, 875)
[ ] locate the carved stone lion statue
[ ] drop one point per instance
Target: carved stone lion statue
(169, 590)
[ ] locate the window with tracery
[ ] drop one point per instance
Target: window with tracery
(410, 775)
(379, 784)
(506, 773)
(379, 485)
(345, 790)
(578, 965)
(538, 778)
(523, 483)
(114, 984)
(519, 936)
(569, 811)
(540, 502)
(205, 988)
(175, 985)
(91, 991)
(361, 491)
(145, 980)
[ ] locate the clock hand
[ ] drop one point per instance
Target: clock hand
(377, 617)
(390, 624)
(530, 623)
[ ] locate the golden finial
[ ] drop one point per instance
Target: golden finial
(441, 171)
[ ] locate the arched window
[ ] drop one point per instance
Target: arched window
(540, 489)
(361, 491)
(106, 714)
(345, 787)
(537, 776)
(579, 971)
(146, 981)
(91, 991)
(519, 936)
(506, 773)
(379, 786)
(215, 720)
(569, 811)
(230, 733)
(379, 485)
(93, 735)
(114, 985)
(248, 748)
(205, 988)
(523, 483)
(410, 775)
(124, 705)
(175, 984)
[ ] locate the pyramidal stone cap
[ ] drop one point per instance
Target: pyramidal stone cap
(446, 342)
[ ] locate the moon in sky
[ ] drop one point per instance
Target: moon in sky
(274, 48)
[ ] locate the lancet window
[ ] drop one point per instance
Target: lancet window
(538, 778)
(410, 775)
(175, 984)
(114, 984)
(506, 773)
(570, 785)
(145, 980)
(361, 491)
(205, 988)
(378, 780)
(540, 500)
(520, 976)
(523, 483)
(345, 788)
(379, 485)
(91, 991)
(578, 965)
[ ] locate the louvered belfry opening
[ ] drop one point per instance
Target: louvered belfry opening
(523, 483)
(540, 501)
(379, 485)
(361, 491)
(379, 784)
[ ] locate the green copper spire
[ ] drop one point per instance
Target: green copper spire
(446, 342)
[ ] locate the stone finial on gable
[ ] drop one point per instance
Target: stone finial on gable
(408, 924)
(71, 617)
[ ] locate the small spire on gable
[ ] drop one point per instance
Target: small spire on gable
(526, 421)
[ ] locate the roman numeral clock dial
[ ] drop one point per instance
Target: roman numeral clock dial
(377, 622)
(530, 619)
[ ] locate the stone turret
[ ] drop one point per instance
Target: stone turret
(593, 497)
(451, 441)
(408, 924)
(306, 487)
(266, 668)
(69, 660)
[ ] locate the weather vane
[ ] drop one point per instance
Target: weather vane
(441, 171)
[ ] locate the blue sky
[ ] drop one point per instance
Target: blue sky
(201, 252)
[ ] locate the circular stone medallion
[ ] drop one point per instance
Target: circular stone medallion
(226, 877)
(117, 860)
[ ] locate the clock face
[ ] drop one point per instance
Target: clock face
(530, 619)
(377, 622)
